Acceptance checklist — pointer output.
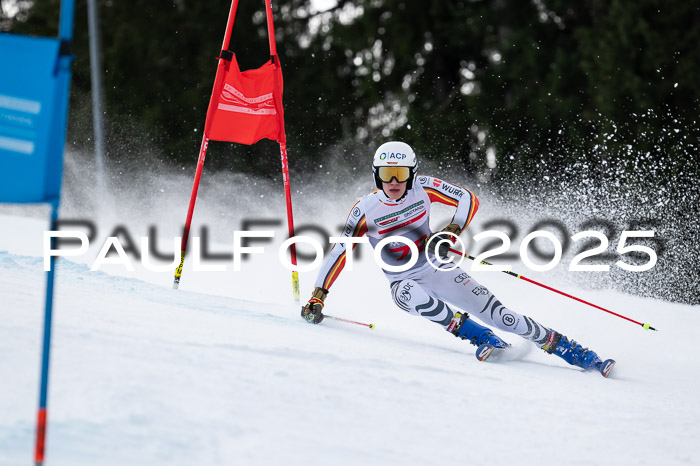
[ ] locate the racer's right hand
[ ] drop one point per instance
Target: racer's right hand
(312, 312)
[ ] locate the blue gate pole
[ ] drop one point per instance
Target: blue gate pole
(58, 131)
(65, 26)
(48, 315)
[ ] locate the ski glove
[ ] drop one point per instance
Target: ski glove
(441, 249)
(312, 311)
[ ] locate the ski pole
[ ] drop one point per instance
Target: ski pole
(340, 319)
(643, 325)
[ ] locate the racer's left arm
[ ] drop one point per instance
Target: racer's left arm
(453, 195)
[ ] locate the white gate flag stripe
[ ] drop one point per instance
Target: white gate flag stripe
(17, 145)
(239, 109)
(21, 105)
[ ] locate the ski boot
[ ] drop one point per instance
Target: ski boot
(575, 354)
(465, 328)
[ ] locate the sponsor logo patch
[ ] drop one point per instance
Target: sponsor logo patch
(392, 156)
(403, 223)
(508, 320)
(480, 290)
(550, 340)
(387, 221)
(453, 324)
(405, 296)
(452, 190)
(402, 214)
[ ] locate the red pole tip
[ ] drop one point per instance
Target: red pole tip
(40, 436)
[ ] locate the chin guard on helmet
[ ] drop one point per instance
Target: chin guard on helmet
(391, 160)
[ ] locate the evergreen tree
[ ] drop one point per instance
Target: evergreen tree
(497, 87)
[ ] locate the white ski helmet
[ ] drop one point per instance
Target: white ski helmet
(393, 155)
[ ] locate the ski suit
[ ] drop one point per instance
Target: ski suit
(424, 289)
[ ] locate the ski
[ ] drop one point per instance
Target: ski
(483, 352)
(486, 351)
(606, 367)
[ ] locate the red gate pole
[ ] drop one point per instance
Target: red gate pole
(283, 147)
(290, 218)
(224, 62)
(190, 209)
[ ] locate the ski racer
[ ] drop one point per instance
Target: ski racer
(401, 207)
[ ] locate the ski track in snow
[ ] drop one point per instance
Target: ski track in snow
(145, 375)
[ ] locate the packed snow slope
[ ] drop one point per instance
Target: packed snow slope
(224, 371)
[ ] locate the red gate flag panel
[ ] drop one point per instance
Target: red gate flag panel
(246, 106)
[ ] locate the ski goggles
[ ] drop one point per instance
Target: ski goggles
(400, 173)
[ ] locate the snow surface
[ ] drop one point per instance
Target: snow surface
(223, 371)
